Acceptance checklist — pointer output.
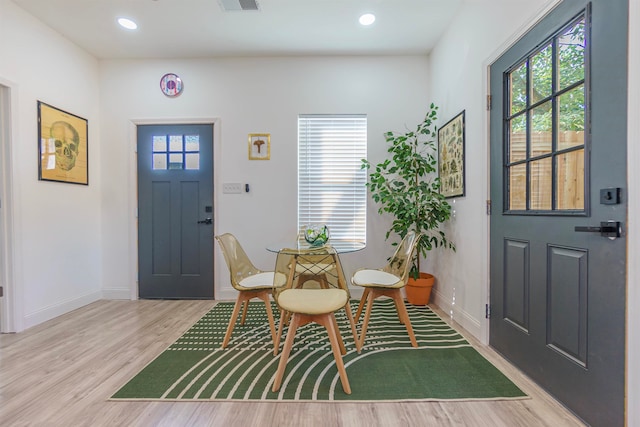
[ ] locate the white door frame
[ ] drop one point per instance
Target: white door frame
(633, 243)
(133, 191)
(10, 307)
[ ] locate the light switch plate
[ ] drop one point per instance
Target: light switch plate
(232, 188)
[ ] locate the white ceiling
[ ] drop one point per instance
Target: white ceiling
(200, 28)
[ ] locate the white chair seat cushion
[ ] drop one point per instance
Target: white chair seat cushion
(260, 280)
(375, 278)
(312, 301)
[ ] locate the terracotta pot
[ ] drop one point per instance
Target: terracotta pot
(419, 290)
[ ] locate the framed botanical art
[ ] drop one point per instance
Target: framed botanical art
(451, 157)
(259, 146)
(63, 154)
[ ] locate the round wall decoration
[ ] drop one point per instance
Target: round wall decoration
(171, 84)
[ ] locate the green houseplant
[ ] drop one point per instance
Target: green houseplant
(406, 186)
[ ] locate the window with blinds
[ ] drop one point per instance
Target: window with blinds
(331, 184)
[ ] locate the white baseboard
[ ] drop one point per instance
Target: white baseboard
(356, 293)
(116, 293)
(64, 307)
(464, 319)
(226, 295)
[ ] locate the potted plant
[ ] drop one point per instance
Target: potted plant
(406, 186)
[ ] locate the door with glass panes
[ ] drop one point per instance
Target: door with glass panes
(175, 211)
(558, 176)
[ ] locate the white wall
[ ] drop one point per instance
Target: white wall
(57, 241)
(458, 82)
(248, 95)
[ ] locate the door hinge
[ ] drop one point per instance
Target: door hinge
(487, 311)
(488, 207)
(488, 102)
(1, 291)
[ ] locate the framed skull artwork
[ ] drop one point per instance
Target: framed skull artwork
(63, 154)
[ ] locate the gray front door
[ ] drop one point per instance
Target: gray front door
(175, 211)
(558, 171)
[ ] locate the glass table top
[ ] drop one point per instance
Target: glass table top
(341, 246)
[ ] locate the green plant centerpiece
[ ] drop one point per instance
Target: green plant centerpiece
(406, 186)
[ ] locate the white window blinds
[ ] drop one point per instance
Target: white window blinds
(331, 184)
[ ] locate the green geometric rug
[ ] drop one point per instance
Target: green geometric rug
(443, 367)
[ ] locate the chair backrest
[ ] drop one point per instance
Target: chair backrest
(400, 263)
(239, 264)
(321, 266)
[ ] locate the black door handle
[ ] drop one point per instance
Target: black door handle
(206, 221)
(606, 229)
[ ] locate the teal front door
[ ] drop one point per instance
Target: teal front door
(175, 211)
(558, 184)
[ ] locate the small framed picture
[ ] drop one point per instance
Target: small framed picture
(451, 157)
(259, 146)
(63, 149)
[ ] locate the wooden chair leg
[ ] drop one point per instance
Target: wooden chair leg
(276, 342)
(399, 302)
(404, 316)
(329, 323)
(284, 356)
(327, 320)
(244, 312)
(352, 323)
(365, 322)
(343, 349)
(365, 295)
(232, 321)
(264, 296)
(324, 283)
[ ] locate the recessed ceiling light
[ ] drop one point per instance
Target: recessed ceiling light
(127, 23)
(367, 19)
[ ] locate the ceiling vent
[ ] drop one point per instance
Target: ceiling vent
(233, 5)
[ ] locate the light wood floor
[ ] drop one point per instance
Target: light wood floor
(62, 372)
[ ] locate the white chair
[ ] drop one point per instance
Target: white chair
(387, 281)
(312, 304)
(249, 281)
